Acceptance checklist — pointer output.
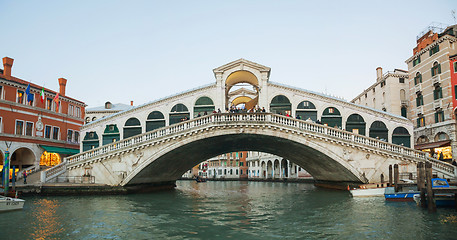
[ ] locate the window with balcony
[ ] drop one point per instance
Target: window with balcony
(439, 116)
(436, 69)
(416, 61)
(417, 78)
(420, 122)
(434, 50)
(29, 128)
(419, 100)
(47, 132)
(71, 110)
(437, 93)
(19, 127)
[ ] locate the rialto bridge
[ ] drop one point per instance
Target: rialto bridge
(158, 141)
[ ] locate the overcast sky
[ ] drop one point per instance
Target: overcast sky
(144, 50)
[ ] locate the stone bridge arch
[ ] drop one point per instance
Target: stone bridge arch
(171, 161)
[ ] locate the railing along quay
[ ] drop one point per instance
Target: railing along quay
(256, 118)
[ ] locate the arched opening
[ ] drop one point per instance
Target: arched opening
(401, 136)
(240, 102)
(284, 168)
(111, 134)
(332, 117)
(277, 169)
(379, 130)
(356, 124)
(132, 127)
(234, 87)
(155, 120)
(203, 106)
(263, 170)
(306, 110)
(90, 141)
(280, 104)
(179, 113)
(270, 170)
(22, 158)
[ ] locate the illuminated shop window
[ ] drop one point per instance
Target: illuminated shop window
(50, 159)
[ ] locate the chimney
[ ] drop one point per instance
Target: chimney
(62, 84)
(131, 103)
(7, 65)
(378, 73)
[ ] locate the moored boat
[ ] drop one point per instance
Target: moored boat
(405, 193)
(368, 190)
(9, 204)
(441, 199)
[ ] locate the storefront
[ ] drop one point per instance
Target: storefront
(436, 148)
(54, 155)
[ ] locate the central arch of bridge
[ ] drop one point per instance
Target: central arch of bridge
(169, 163)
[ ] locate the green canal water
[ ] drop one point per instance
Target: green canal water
(226, 210)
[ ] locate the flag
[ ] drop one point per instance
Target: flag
(42, 95)
(28, 94)
(56, 100)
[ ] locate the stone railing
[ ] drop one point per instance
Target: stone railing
(269, 118)
(29, 171)
(51, 174)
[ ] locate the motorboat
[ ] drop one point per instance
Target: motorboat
(441, 199)
(9, 204)
(404, 194)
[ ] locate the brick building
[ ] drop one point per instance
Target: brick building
(35, 132)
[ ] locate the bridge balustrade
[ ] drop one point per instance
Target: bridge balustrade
(280, 120)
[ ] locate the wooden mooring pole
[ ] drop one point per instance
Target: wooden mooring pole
(390, 175)
(396, 178)
(421, 183)
(430, 196)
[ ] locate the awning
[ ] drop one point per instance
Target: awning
(60, 150)
(433, 145)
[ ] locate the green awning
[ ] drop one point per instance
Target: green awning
(60, 150)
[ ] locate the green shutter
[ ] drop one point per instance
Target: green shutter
(433, 72)
(455, 92)
(439, 68)
(436, 117)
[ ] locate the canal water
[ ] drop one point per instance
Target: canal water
(226, 210)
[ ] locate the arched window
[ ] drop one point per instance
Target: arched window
(305, 110)
(402, 95)
(379, 130)
(132, 127)
(155, 120)
(401, 136)
(331, 117)
(441, 136)
(356, 124)
(179, 113)
(203, 105)
(417, 78)
(90, 141)
(436, 69)
(280, 105)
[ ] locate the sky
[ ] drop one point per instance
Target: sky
(122, 51)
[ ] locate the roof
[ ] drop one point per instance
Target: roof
(114, 108)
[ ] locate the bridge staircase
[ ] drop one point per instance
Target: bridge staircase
(239, 120)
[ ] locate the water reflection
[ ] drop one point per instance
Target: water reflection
(227, 210)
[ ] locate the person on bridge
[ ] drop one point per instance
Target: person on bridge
(441, 156)
(24, 174)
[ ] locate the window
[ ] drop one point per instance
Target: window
(455, 91)
(374, 90)
(1, 92)
(419, 100)
(416, 61)
(417, 79)
(19, 127)
(55, 133)
(383, 83)
(437, 93)
(436, 69)
(403, 112)
(0, 124)
(420, 122)
(78, 112)
(434, 50)
(49, 103)
(20, 97)
(47, 132)
(401, 80)
(241, 155)
(71, 110)
(29, 128)
(455, 70)
(439, 116)
(69, 135)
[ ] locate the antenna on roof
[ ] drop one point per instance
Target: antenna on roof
(453, 16)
